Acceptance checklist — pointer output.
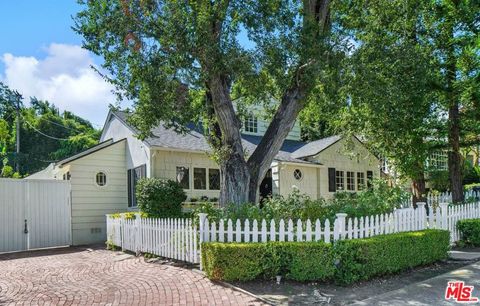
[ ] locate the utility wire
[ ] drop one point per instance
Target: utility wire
(41, 133)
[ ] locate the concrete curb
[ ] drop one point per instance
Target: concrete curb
(228, 285)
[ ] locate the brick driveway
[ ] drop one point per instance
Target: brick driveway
(78, 276)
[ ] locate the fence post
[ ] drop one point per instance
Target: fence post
(122, 231)
(339, 227)
(202, 217)
(444, 212)
(421, 214)
(139, 238)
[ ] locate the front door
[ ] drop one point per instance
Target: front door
(266, 186)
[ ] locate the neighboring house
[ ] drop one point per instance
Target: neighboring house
(104, 177)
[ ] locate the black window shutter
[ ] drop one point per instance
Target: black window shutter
(369, 179)
(331, 180)
(129, 187)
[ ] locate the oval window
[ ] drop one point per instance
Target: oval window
(101, 179)
(297, 174)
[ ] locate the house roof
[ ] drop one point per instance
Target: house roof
(88, 151)
(194, 140)
(315, 147)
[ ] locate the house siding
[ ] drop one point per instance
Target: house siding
(165, 165)
(288, 183)
(345, 156)
(91, 202)
(137, 152)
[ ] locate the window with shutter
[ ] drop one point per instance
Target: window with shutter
(331, 180)
(134, 175)
(369, 179)
(129, 187)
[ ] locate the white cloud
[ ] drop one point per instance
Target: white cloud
(64, 77)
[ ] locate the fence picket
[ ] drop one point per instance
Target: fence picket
(264, 230)
(273, 231)
(246, 231)
(281, 230)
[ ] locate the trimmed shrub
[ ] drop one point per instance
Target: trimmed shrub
(302, 261)
(233, 261)
(362, 259)
(346, 261)
(469, 231)
(160, 198)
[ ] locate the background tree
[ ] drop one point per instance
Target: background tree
(453, 28)
(176, 59)
(412, 83)
(386, 94)
(46, 134)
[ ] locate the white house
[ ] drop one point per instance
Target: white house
(103, 178)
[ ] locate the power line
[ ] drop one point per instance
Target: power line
(61, 125)
(43, 134)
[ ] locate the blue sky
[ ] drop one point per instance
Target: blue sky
(30, 25)
(40, 56)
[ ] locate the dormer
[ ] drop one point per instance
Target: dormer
(254, 124)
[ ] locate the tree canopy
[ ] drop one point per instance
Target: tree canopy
(46, 134)
(183, 60)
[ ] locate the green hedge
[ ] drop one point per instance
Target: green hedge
(362, 259)
(247, 261)
(469, 231)
(344, 262)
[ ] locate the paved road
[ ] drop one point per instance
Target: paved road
(78, 276)
(431, 291)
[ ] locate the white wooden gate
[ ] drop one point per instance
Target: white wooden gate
(34, 214)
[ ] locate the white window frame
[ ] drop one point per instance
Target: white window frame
(251, 124)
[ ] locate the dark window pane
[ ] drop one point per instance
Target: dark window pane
(200, 178)
(183, 177)
(350, 180)
(214, 179)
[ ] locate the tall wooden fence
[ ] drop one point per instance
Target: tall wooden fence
(34, 214)
(179, 238)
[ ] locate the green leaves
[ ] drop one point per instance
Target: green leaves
(159, 198)
(469, 231)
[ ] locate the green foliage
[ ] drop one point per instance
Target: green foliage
(160, 198)
(362, 259)
(439, 180)
(469, 231)
(67, 134)
(471, 174)
(346, 261)
(380, 199)
(302, 261)
(131, 215)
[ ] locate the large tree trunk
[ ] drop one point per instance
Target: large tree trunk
(234, 173)
(454, 156)
(418, 189)
(282, 123)
(240, 179)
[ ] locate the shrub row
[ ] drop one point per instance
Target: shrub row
(469, 231)
(344, 262)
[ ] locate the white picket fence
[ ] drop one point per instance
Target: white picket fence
(179, 238)
(434, 199)
(401, 220)
(170, 238)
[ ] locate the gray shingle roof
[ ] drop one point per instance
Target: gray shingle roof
(194, 140)
(315, 147)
